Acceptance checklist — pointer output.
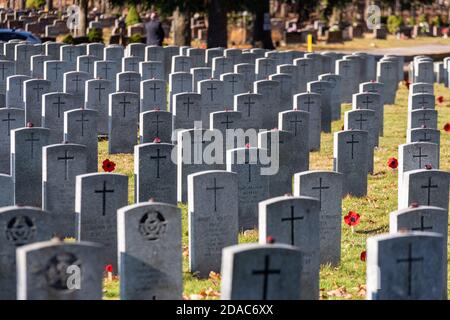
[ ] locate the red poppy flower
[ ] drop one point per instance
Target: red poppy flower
(428, 166)
(157, 140)
(363, 256)
(392, 163)
(247, 145)
(414, 205)
(440, 99)
(108, 165)
(109, 268)
(352, 218)
(270, 239)
(30, 124)
(447, 127)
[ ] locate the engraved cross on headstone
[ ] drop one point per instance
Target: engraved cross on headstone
(292, 218)
(266, 272)
(410, 260)
(82, 120)
(429, 186)
(59, 103)
(32, 140)
(215, 188)
(104, 191)
(320, 188)
(352, 142)
(420, 156)
(66, 159)
(8, 120)
(158, 157)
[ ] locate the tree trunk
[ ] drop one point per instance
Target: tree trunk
(83, 17)
(217, 25)
(182, 27)
(361, 7)
(49, 4)
(262, 33)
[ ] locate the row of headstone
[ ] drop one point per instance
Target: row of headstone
(233, 191)
(414, 255)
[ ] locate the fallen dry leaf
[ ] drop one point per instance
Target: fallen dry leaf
(196, 297)
(214, 275)
(210, 292)
(361, 290)
(340, 292)
(185, 251)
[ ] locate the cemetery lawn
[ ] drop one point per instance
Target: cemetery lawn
(348, 280)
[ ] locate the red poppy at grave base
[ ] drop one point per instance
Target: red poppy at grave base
(247, 145)
(157, 140)
(270, 239)
(393, 163)
(352, 218)
(447, 127)
(109, 268)
(414, 205)
(407, 83)
(440, 99)
(108, 165)
(363, 256)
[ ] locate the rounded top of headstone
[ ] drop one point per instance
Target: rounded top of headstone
(30, 124)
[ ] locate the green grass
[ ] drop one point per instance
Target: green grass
(348, 280)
